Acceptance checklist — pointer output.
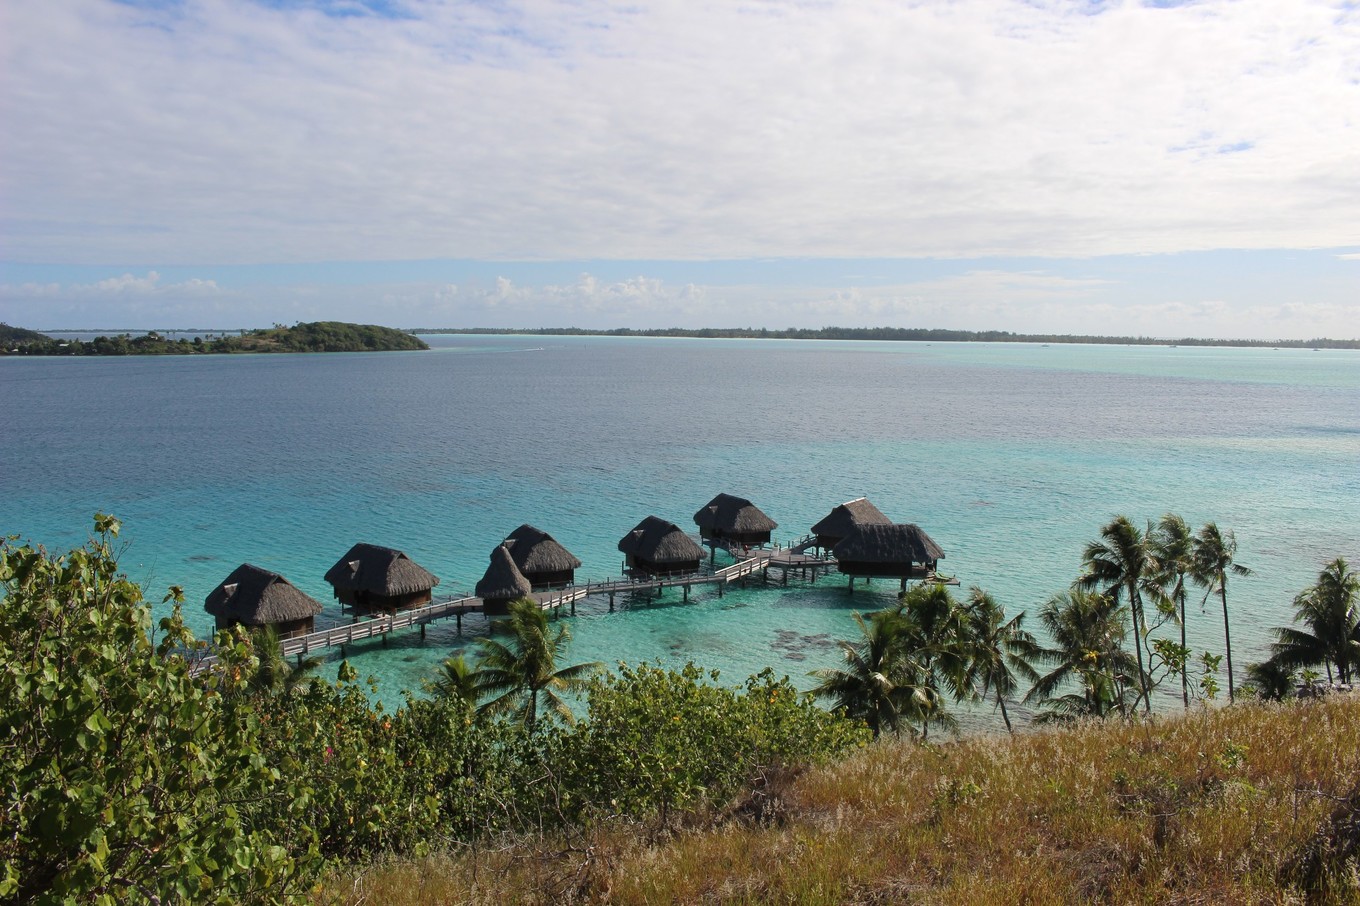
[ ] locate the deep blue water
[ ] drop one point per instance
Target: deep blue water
(1011, 456)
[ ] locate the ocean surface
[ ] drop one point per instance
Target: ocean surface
(1011, 456)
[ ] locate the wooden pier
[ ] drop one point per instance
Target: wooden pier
(792, 559)
(338, 634)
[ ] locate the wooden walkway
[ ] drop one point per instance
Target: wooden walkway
(791, 559)
(337, 634)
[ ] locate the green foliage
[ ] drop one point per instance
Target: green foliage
(1120, 565)
(880, 684)
(1002, 651)
(457, 682)
(13, 336)
(657, 740)
(1087, 630)
(910, 656)
(122, 776)
(524, 673)
(317, 336)
(1328, 631)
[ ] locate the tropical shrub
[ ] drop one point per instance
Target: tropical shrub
(121, 775)
(656, 740)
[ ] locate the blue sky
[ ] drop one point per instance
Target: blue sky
(1161, 168)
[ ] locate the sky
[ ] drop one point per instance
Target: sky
(1167, 168)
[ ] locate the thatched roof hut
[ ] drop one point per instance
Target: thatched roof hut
(735, 519)
(841, 521)
(660, 548)
(370, 577)
(252, 596)
(502, 583)
(898, 550)
(542, 560)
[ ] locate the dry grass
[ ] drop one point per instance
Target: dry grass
(1213, 807)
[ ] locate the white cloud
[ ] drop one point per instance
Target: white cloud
(1022, 301)
(226, 131)
(130, 284)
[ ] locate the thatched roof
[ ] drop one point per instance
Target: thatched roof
(726, 513)
(894, 543)
(659, 541)
(257, 597)
(535, 551)
(845, 517)
(380, 570)
(503, 580)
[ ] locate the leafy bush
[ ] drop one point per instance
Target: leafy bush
(121, 776)
(656, 740)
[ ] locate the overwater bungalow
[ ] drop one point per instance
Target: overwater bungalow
(898, 551)
(371, 578)
(728, 520)
(660, 548)
(502, 583)
(842, 520)
(541, 559)
(258, 598)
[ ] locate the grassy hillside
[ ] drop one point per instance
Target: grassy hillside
(1247, 804)
(12, 336)
(322, 336)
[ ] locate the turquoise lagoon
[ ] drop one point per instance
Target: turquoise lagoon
(1010, 455)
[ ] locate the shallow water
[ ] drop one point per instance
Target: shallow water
(1010, 455)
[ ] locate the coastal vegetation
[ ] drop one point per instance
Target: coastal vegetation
(914, 334)
(315, 336)
(1255, 803)
(12, 336)
(133, 769)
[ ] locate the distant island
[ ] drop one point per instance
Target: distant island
(314, 336)
(916, 334)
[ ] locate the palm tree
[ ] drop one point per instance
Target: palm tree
(458, 682)
(1087, 629)
(1270, 680)
(521, 673)
(880, 683)
(1172, 543)
(1213, 561)
(1330, 611)
(938, 636)
(274, 675)
(1119, 565)
(1001, 650)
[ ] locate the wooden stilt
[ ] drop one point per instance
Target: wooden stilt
(422, 630)
(611, 602)
(460, 623)
(852, 585)
(686, 592)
